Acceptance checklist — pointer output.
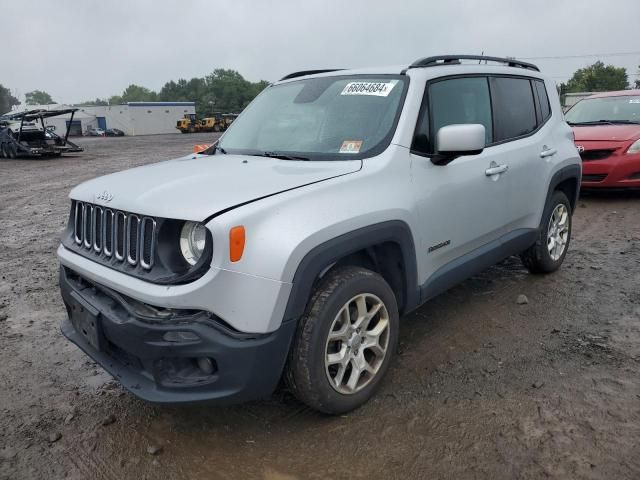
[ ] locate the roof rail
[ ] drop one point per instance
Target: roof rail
(439, 60)
(308, 72)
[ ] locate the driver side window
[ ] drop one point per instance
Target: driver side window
(453, 101)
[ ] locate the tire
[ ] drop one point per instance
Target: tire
(546, 256)
(2, 152)
(333, 308)
(216, 128)
(11, 150)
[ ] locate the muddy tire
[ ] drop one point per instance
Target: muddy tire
(345, 342)
(547, 254)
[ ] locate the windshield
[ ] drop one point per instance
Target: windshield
(339, 117)
(622, 109)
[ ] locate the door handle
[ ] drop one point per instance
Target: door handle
(547, 152)
(496, 169)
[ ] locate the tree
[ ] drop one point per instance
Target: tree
(7, 101)
(38, 97)
(98, 101)
(597, 78)
(637, 85)
(136, 93)
(115, 100)
(221, 91)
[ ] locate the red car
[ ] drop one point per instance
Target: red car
(607, 133)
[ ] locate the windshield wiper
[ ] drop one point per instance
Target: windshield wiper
(218, 148)
(280, 156)
(605, 122)
(592, 122)
(624, 122)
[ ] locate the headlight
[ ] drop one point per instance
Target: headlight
(193, 238)
(635, 148)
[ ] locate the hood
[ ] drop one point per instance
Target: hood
(607, 133)
(198, 186)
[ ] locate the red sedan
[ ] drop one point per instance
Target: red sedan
(607, 133)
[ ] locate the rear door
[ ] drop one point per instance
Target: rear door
(460, 206)
(523, 142)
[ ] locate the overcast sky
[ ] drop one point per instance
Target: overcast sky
(80, 50)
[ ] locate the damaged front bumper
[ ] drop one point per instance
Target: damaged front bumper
(171, 356)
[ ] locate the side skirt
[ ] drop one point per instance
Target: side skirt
(476, 261)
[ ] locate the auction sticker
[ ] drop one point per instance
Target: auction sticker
(351, 146)
(377, 89)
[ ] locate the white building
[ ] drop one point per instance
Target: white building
(134, 118)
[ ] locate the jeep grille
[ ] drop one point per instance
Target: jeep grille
(127, 237)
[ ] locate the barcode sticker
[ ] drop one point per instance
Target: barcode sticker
(378, 89)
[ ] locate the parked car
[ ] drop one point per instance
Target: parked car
(96, 132)
(338, 201)
(114, 132)
(607, 135)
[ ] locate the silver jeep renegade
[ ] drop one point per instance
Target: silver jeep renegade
(337, 202)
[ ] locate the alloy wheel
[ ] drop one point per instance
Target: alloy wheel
(558, 232)
(357, 343)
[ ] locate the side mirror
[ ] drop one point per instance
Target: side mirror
(460, 139)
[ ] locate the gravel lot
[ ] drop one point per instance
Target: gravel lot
(483, 386)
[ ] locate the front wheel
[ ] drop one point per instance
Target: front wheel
(547, 254)
(345, 342)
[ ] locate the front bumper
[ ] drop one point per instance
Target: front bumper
(617, 171)
(135, 352)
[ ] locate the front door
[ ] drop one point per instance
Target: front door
(462, 206)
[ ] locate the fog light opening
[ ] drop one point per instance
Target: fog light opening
(206, 365)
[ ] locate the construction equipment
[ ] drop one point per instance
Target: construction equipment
(187, 124)
(218, 122)
(24, 134)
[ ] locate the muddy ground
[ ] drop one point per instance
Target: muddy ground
(483, 387)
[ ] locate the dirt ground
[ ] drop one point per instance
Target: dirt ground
(483, 387)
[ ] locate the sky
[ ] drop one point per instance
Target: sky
(80, 50)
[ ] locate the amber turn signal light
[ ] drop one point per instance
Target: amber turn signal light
(236, 243)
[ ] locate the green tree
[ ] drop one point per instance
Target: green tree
(6, 100)
(222, 91)
(637, 85)
(115, 100)
(38, 97)
(98, 101)
(136, 93)
(597, 78)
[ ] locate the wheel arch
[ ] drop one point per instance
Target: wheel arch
(386, 247)
(567, 180)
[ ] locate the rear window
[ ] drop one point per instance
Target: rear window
(543, 98)
(514, 112)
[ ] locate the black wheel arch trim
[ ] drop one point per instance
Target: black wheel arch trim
(570, 171)
(331, 251)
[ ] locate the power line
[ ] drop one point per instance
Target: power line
(562, 57)
(570, 74)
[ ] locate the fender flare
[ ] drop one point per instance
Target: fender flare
(329, 252)
(570, 171)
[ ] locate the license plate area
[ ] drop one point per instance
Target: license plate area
(86, 321)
